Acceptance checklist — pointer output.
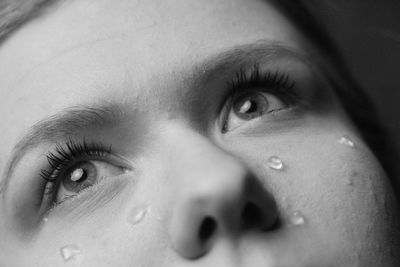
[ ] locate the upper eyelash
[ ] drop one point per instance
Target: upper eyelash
(273, 81)
(64, 155)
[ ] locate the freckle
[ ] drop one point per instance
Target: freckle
(354, 175)
(350, 182)
(378, 199)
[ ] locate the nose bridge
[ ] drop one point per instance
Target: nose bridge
(216, 196)
(207, 172)
(210, 171)
(197, 153)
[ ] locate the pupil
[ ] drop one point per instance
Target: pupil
(250, 106)
(246, 107)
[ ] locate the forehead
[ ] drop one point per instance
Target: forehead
(145, 35)
(132, 38)
(92, 51)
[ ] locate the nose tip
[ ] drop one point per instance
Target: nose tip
(220, 205)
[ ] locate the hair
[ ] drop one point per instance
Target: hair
(304, 15)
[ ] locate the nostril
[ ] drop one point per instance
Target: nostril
(252, 216)
(207, 229)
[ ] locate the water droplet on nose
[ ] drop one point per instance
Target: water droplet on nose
(137, 214)
(275, 163)
(346, 141)
(45, 219)
(297, 218)
(70, 252)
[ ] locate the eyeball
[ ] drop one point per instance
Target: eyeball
(250, 105)
(83, 175)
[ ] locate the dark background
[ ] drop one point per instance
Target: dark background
(368, 34)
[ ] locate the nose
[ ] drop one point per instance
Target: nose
(219, 198)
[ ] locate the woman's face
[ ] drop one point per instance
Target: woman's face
(182, 133)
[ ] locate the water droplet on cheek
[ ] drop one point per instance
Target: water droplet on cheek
(346, 141)
(275, 163)
(71, 253)
(297, 218)
(137, 214)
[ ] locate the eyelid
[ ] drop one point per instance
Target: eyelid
(71, 157)
(90, 199)
(70, 151)
(73, 151)
(313, 91)
(268, 81)
(48, 203)
(269, 115)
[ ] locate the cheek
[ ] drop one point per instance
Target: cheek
(343, 192)
(348, 198)
(118, 243)
(122, 232)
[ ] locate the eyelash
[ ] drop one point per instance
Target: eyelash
(274, 82)
(64, 156)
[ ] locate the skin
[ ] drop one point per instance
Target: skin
(159, 63)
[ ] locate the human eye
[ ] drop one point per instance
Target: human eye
(256, 94)
(75, 167)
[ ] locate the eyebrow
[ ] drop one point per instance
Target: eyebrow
(246, 55)
(72, 120)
